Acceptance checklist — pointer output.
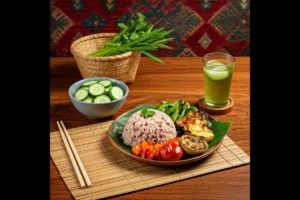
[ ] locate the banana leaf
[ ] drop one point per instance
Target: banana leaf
(219, 128)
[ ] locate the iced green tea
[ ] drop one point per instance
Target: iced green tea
(217, 81)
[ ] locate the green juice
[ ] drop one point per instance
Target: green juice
(217, 82)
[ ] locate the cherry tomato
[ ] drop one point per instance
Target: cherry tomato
(175, 139)
(157, 155)
(171, 151)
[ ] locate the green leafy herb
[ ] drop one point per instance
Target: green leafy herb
(219, 128)
(148, 113)
(136, 36)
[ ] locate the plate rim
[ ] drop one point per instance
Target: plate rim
(161, 162)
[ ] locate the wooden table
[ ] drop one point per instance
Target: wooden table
(180, 78)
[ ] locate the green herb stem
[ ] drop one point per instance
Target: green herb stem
(138, 35)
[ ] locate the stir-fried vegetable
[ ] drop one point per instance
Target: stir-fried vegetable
(176, 110)
(193, 145)
(196, 124)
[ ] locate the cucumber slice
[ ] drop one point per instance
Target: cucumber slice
(107, 89)
(106, 83)
(89, 83)
(102, 99)
(116, 92)
(96, 89)
(89, 99)
(81, 94)
(85, 88)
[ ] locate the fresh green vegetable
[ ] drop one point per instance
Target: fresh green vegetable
(88, 83)
(106, 83)
(96, 89)
(180, 104)
(89, 99)
(162, 107)
(98, 92)
(108, 89)
(102, 99)
(85, 88)
(170, 109)
(175, 114)
(193, 108)
(176, 110)
(136, 36)
(116, 92)
(148, 113)
(81, 94)
(183, 110)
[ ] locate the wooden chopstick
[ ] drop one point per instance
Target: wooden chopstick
(82, 184)
(85, 175)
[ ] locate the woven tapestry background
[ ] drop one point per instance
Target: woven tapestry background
(201, 26)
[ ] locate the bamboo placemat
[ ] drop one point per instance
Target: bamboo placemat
(113, 173)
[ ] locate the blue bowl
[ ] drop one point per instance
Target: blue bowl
(98, 110)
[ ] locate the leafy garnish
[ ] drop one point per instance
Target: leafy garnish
(138, 35)
(148, 113)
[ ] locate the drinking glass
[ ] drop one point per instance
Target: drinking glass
(218, 70)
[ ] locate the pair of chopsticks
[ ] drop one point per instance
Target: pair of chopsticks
(74, 156)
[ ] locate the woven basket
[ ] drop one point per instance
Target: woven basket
(122, 67)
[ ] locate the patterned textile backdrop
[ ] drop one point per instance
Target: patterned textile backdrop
(201, 26)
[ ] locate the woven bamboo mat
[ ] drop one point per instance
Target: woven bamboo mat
(113, 173)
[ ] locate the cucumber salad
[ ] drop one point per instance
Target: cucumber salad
(98, 92)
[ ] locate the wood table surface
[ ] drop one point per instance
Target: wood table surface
(180, 78)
